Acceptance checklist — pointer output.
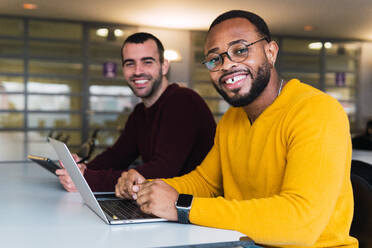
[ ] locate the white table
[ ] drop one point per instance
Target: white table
(36, 212)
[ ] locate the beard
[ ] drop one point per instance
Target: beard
(258, 86)
(155, 84)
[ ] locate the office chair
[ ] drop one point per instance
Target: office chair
(361, 226)
(59, 136)
(87, 147)
(362, 169)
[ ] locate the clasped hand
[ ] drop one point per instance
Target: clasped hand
(154, 197)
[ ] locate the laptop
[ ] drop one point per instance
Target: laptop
(111, 209)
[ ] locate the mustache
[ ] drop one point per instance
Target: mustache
(142, 75)
(232, 72)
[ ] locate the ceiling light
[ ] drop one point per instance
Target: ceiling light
(328, 45)
(29, 6)
(118, 32)
(315, 45)
(172, 55)
(308, 28)
(319, 45)
(102, 32)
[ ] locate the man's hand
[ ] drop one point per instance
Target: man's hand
(65, 178)
(158, 198)
(128, 184)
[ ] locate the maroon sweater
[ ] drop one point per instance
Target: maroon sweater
(172, 137)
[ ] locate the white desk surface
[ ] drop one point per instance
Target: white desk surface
(36, 212)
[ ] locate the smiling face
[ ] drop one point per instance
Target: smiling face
(143, 70)
(240, 83)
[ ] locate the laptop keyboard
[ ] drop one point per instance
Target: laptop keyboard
(123, 209)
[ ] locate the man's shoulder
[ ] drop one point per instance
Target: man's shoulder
(182, 89)
(301, 93)
(309, 104)
(181, 94)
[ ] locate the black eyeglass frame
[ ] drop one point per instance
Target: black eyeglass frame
(220, 55)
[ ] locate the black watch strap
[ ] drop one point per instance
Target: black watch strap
(183, 216)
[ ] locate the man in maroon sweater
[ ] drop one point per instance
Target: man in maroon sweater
(172, 129)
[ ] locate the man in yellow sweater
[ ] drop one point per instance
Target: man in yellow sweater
(279, 170)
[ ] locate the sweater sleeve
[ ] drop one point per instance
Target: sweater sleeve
(176, 136)
(317, 159)
(104, 170)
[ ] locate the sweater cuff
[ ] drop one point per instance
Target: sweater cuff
(101, 180)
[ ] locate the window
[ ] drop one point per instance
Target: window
(11, 27)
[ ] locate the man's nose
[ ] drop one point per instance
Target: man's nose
(226, 62)
(138, 70)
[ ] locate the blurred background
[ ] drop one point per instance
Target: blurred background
(60, 68)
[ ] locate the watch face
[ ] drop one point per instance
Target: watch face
(184, 200)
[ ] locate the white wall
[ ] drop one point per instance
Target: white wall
(178, 40)
(365, 86)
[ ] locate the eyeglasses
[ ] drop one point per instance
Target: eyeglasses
(237, 52)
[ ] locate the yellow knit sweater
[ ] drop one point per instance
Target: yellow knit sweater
(283, 181)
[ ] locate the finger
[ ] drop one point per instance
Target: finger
(117, 192)
(134, 196)
(146, 208)
(143, 186)
(61, 172)
(81, 167)
(138, 187)
(129, 181)
(65, 180)
(118, 186)
(71, 188)
(119, 189)
(61, 164)
(135, 176)
(135, 189)
(123, 194)
(122, 184)
(67, 184)
(144, 195)
(75, 157)
(140, 179)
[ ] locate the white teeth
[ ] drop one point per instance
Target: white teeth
(141, 81)
(235, 79)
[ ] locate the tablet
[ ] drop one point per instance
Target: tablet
(44, 162)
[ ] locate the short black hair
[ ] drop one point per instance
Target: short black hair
(256, 20)
(141, 37)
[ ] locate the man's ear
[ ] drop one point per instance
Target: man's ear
(271, 50)
(165, 67)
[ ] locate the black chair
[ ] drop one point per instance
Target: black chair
(362, 169)
(59, 136)
(361, 226)
(88, 147)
